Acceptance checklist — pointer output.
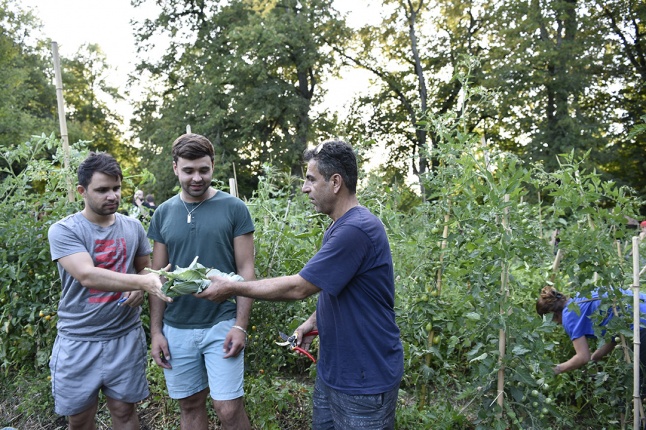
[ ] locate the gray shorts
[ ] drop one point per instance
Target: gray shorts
(80, 369)
(197, 359)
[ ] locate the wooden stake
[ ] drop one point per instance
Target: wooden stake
(61, 119)
(637, 403)
(555, 265)
(502, 335)
(438, 287)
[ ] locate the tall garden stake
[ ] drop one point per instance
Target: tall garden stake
(637, 405)
(275, 245)
(624, 345)
(438, 287)
(61, 119)
(502, 340)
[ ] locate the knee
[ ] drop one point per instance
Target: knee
(85, 419)
(229, 410)
(193, 403)
(121, 411)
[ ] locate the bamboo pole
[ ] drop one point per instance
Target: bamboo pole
(540, 214)
(61, 119)
(233, 182)
(502, 335)
(443, 245)
(624, 345)
(275, 245)
(637, 405)
(438, 287)
(555, 265)
(233, 189)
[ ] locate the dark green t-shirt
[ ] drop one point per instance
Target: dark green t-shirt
(209, 235)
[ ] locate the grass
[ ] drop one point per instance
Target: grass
(272, 403)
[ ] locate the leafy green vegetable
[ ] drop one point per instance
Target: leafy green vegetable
(191, 279)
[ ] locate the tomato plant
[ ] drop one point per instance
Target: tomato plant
(470, 258)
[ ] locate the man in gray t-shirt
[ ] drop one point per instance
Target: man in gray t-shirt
(100, 343)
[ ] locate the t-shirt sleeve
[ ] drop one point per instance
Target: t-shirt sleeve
(63, 241)
(153, 227)
(338, 260)
(577, 326)
(245, 223)
(144, 247)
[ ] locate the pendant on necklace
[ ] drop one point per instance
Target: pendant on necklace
(188, 219)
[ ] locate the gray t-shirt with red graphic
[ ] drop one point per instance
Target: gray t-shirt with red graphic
(85, 313)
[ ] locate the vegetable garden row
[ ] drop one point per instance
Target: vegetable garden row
(470, 260)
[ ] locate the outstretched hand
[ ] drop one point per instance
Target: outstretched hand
(217, 291)
(153, 285)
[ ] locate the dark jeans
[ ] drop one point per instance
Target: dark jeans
(334, 410)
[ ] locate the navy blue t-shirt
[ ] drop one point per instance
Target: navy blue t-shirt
(361, 350)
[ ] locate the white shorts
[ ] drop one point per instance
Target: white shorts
(197, 363)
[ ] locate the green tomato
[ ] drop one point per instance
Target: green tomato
(535, 393)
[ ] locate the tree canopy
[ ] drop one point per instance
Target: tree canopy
(245, 74)
(567, 76)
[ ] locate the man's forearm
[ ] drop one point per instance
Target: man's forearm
(274, 289)
(157, 308)
(243, 311)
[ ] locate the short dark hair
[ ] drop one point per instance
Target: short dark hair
(101, 162)
(335, 156)
(192, 146)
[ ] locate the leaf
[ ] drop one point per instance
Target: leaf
(479, 358)
(519, 350)
(474, 316)
(190, 280)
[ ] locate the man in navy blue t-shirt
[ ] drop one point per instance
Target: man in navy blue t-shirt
(361, 359)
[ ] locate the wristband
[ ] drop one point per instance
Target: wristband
(240, 328)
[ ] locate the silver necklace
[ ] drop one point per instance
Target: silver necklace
(188, 217)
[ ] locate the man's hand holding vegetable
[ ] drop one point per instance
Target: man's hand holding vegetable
(217, 291)
(82, 268)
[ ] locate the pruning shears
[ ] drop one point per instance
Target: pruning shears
(291, 342)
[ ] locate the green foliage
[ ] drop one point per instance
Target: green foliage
(290, 407)
(469, 262)
(33, 199)
(27, 95)
(288, 233)
(246, 75)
